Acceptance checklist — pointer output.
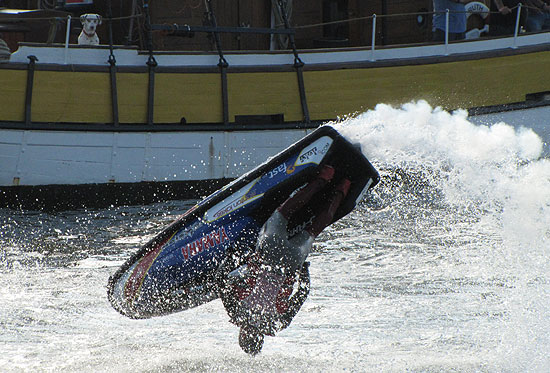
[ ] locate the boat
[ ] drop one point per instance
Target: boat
(187, 263)
(113, 124)
(205, 253)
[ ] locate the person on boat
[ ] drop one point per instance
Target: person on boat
(538, 15)
(503, 17)
(457, 19)
(261, 302)
(4, 50)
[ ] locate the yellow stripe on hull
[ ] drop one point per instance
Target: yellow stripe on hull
(12, 95)
(195, 97)
(264, 93)
(464, 84)
(132, 97)
(85, 97)
(71, 97)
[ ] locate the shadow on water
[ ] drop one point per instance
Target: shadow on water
(57, 239)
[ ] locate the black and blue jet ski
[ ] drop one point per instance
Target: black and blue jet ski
(184, 265)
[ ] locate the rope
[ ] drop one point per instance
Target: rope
(395, 15)
(281, 40)
(15, 20)
(140, 15)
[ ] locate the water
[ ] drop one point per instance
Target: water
(444, 267)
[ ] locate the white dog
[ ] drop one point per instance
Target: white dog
(88, 36)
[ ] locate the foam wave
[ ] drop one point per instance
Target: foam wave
(500, 171)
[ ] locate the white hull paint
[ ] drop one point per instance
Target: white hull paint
(36, 157)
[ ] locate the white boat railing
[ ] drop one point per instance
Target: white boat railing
(516, 30)
(374, 52)
(447, 11)
(446, 40)
(67, 34)
(373, 42)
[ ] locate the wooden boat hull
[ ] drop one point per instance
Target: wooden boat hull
(61, 125)
(69, 93)
(184, 162)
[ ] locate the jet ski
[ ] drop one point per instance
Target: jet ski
(185, 264)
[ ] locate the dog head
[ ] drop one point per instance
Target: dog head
(90, 21)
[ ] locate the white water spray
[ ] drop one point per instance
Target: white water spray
(497, 171)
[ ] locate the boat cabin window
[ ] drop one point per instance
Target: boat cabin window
(334, 35)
